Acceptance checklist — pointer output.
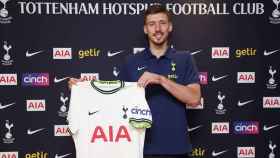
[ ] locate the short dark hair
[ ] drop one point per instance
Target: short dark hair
(157, 8)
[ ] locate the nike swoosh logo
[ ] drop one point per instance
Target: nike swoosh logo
(244, 103)
(214, 154)
(195, 52)
(32, 54)
(265, 128)
(141, 68)
(61, 156)
(267, 53)
(113, 54)
(5, 106)
(194, 128)
(91, 113)
(56, 80)
(116, 73)
(214, 79)
(30, 132)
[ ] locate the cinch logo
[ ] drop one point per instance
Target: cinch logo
(110, 134)
(89, 76)
(203, 77)
(220, 52)
(62, 53)
(200, 106)
(39, 154)
(35, 79)
(220, 127)
(61, 130)
(271, 102)
(92, 52)
(8, 79)
(246, 77)
(243, 152)
(198, 152)
(35, 105)
(245, 52)
(246, 127)
(137, 110)
(11, 154)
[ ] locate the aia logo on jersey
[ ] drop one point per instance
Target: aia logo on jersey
(220, 52)
(203, 77)
(11, 154)
(271, 102)
(110, 134)
(62, 53)
(61, 130)
(89, 76)
(246, 77)
(246, 127)
(35, 105)
(35, 79)
(243, 152)
(220, 128)
(8, 79)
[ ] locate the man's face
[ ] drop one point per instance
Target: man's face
(157, 28)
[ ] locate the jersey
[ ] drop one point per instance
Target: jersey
(108, 119)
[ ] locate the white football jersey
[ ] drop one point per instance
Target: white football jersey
(108, 119)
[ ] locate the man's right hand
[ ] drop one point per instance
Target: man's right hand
(73, 81)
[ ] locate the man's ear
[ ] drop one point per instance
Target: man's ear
(145, 29)
(170, 27)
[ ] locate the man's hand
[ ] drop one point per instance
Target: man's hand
(73, 81)
(149, 78)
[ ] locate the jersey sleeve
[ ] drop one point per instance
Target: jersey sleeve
(140, 115)
(191, 72)
(73, 116)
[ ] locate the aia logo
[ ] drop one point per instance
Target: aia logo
(110, 134)
(246, 127)
(203, 77)
(271, 102)
(35, 79)
(220, 52)
(220, 127)
(61, 130)
(243, 152)
(11, 154)
(8, 79)
(246, 77)
(62, 53)
(35, 105)
(89, 76)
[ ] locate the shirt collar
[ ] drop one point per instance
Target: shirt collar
(167, 54)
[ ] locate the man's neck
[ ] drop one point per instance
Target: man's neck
(158, 50)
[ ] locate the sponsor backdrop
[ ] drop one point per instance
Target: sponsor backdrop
(235, 45)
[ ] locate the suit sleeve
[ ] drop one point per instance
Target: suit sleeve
(191, 72)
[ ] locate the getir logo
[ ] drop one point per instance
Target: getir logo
(92, 52)
(246, 127)
(203, 77)
(8, 79)
(110, 134)
(243, 152)
(220, 52)
(89, 76)
(271, 102)
(246, 77)
(220, 128)
(35, 79)
(198, 152)
(39, 154)
(11, 154)
(35, 105)
(62, 53)
(245, 52)
(61, 130)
